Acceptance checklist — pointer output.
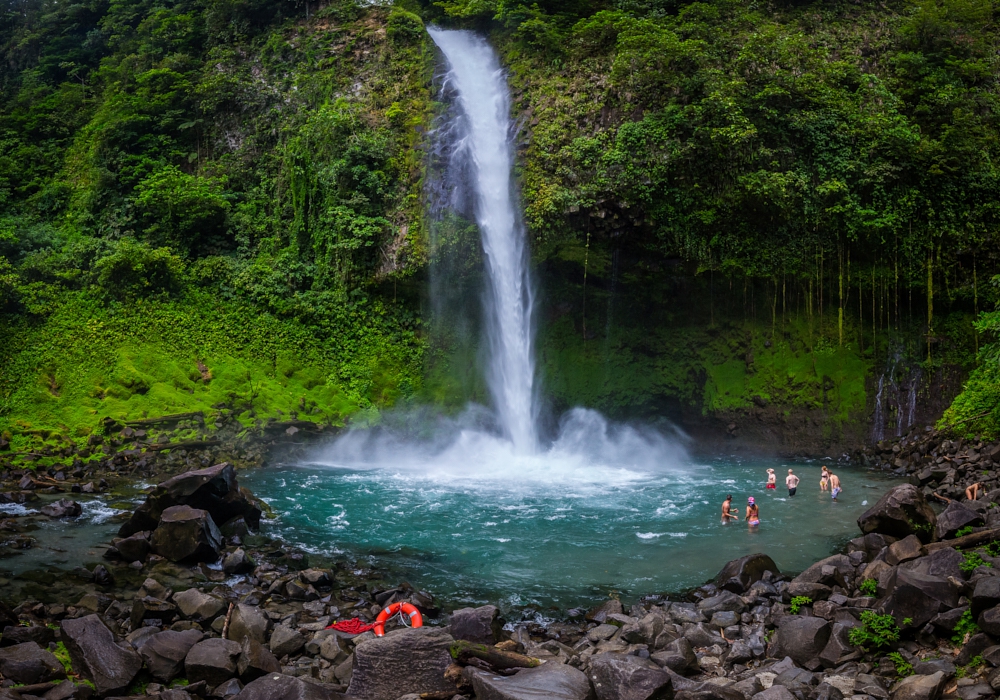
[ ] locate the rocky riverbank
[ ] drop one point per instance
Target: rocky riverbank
(190, 603)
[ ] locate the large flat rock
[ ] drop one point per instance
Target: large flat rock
(550, 681)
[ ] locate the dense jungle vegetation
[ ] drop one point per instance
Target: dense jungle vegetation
(221, 203)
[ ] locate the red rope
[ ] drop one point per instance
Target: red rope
(352, 626)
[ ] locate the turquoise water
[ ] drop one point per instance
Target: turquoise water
(624, 511)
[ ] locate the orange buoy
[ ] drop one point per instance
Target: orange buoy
(405, 609)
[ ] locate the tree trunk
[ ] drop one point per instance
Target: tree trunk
(462, 651)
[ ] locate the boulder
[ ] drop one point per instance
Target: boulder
(775, 692)
(905, 549)
(723, 600)
(19, 634)
(248, 621)
(989, 621)
(954, 518)
(285, 640)
(482, 625)
(212, 661)
(158, 612)
(63, 508)
(678, 656)
(197, 605)
(422, 651)
(213, 489)
(601, 612)
(738, 575)
(977, 644)
(280, 687)
(626, 677)
(164, 652)
(832, 571)
(902, 511)
(942, 563)
(133, 548)
(239, 562)
(812, 591)
(985, 595)
(837, 646)
(28, 663)
(919, 687)
(918, 597)
(551, 681)
(230, 688)
(801, 638)
(187, 534)
(255, 661)
(97, 656)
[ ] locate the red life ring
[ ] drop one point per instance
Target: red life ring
(405, 608)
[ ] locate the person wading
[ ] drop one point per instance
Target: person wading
(792, 482)
(824, 479)
(727, 510)
(771, 479)
(834, 486)
(753, 513)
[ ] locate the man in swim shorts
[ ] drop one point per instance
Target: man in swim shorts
(792, 482)
(727, 510)
(771, 479)
(834, 486)
(753, 513)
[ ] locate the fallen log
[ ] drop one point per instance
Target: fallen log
(462, 651)
(973, 540)
(173, 418)
(189, 445)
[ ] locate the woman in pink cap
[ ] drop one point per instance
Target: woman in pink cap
(753, 513)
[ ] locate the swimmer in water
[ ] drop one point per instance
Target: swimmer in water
(771, 479)
(753, 513)
(834, 486)
(824, 479)
(792, 482)
(727, 510)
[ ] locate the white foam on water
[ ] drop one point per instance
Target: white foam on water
(16, 509)
(649, 535)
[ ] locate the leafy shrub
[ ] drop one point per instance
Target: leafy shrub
(962, 532)
(137, 270)
(876, 631)
(972, 562)
(993, 549)
(903, 667)
(183, 210)
(869, 587)
(797, 603)
(404, 27)
(965, 625)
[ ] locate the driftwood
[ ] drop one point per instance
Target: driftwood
(174, 418)
(973, 540)
(463, 651)
(438, 695)
(189, 445)
(225, 624)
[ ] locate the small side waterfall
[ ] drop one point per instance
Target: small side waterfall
(475, 73)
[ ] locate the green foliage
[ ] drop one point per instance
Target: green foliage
(876, 631)
(134, 270)
(404, 27)
(62, 654)
(869, 587)
(972, 561)
(993, 549)
(965, 626)
(961, 532)
(182, 210)
(798, 602)
(903, 667)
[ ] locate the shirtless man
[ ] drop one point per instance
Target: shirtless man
(834, 486)
(972, 493)
(792, 482)
(771, 479)
(727, 510)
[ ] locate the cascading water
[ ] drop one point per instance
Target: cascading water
(478, 80)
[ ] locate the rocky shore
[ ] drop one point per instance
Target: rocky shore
(190, 603)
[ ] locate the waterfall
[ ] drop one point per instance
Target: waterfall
(475, 74)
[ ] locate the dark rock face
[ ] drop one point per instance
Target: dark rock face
(738, 575)
(985, 595)
(423, 652)
(248, 621)
(197, 605)
(19, 634)
(164, 652)
(255, 661)
(238, 563)
(550, 681)
(213, 489)
(279, 687)
(481, 625)
(149, 608)
(920, 687)
(627, 677)
(285, 640)
(212, 661)
(902, 511)
(989, 621)
(97, 656)
(954, 518)
(832, 571)
(134, 548)
(678, 656)
(724, 601)
(187, 534)
(801, 638)
(837, 646)
(941, 563)
(63, 508)
(918, 597)
(29, 663)
(905, 549)
(775, 692)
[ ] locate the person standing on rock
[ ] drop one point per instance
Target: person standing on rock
(824, 478)
(771, 479)
(792, 482)
(834, 486)
(727, 510)
(753, 513)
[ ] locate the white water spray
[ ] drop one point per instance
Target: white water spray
(475, 73)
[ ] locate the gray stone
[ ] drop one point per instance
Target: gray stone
(931, 666)
(919, 687)
(738, 575)
(989, 621)
(722, 601)
(148, 610)
(227, 689)
(164, 652)
(725, 618)
(197, 605)
(39, 634)
(977, 644)
(97, 656)
(801, 638)
(256, 660)
(248, 621)
(212, 661)
(834, 570)
(28, 663)
(775, 692)
(954, 518)
(905, 549)
(918, 597)
(942, 563)
(239, 562)
(63, 508)
(187, 534)
(601, 632)
(135, 547)
(285, 640)
(837, 646)
(627, 677)
(812, 591)
(902, 511)
(678, 656)
(739, 653)
(281, 687)
(985, 595)
(422, 651)
(481, 625)
(551, 681)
